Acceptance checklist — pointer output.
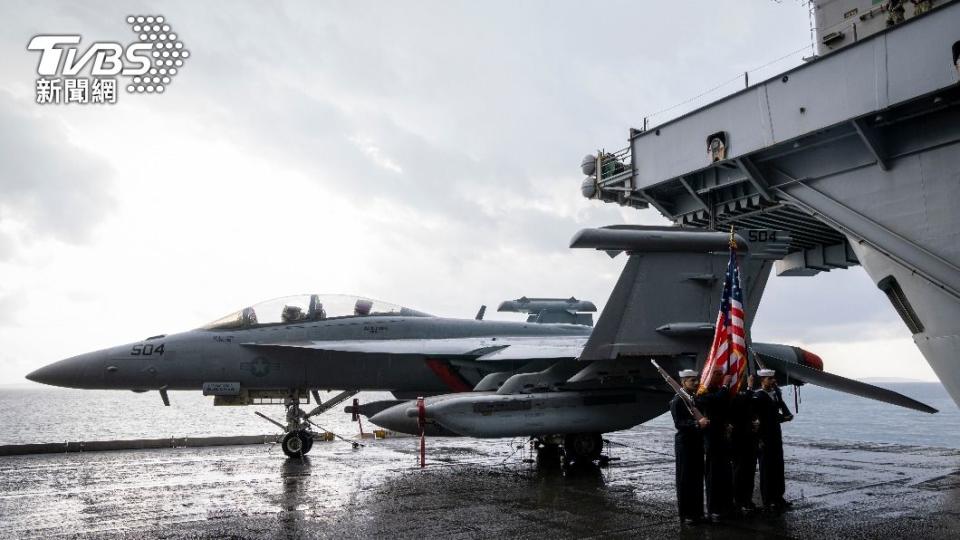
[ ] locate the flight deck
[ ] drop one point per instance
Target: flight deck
(470, 488)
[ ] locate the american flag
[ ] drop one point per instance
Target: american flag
(728, 353)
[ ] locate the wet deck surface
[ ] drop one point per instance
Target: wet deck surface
(469, 489)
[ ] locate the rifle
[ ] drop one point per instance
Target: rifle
(684, 396)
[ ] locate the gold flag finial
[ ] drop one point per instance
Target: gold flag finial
(733, 239)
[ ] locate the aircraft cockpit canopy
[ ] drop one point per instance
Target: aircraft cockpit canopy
(309, 307)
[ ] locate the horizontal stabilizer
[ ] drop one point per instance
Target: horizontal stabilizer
(842, 384)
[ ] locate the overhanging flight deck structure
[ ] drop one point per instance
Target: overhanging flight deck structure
(856, 154)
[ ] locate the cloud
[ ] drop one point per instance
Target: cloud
(449, 134)
(375, 154)
(50, 188)
(841, 305)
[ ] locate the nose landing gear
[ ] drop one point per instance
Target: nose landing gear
(297, 443)
(298, 439)
(298, 436)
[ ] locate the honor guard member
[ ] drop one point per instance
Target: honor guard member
(771, 412)
(715, 405)
(688, 448)
(744, 446)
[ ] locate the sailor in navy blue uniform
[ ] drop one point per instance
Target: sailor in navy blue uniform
(771, 411)
(743, 445)
(716, 403)
(688, 448)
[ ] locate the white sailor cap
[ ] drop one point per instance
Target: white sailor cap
(684, 373)
(766, 373)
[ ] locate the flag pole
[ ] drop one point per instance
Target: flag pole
(733, 254)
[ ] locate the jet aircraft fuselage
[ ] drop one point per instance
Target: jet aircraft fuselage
(273, 355)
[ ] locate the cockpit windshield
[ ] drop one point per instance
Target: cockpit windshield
(309, 307)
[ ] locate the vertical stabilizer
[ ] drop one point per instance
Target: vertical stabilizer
(666, 299)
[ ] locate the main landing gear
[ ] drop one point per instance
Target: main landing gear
(584, 447)
(571, 449)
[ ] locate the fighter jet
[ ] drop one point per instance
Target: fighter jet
(552, 377)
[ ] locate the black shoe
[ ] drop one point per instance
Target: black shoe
(782, 505)
(748, 507)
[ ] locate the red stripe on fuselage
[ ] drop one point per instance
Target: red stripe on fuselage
(450, 378)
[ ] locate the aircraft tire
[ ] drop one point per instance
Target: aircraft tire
(293, 445)
(307, 441)
(583, 446)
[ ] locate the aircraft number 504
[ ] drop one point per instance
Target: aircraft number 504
(762, 235)
(146, 349)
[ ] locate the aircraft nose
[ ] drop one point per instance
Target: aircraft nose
(69, 373)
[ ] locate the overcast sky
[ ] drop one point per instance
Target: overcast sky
(425, 153)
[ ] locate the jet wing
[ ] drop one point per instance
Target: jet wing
(477, 348)
(842, 384)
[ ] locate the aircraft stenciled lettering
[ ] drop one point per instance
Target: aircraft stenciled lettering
(375, 329)
(146, 349)
(223, 339)
(762, 235)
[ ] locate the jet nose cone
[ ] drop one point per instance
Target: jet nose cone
(35, 375)
(68, 373)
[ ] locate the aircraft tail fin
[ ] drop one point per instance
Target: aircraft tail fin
(667, 297)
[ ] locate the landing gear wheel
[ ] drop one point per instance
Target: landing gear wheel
(548, 455)
(307, 441)
(583, 447)
(293, 444)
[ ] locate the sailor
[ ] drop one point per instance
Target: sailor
(688, 448)
(771, 411)
(715, 405)
(744, 445)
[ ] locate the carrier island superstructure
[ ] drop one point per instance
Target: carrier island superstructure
(855, 153)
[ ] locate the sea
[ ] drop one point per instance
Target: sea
(44, 414)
